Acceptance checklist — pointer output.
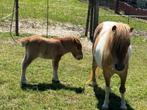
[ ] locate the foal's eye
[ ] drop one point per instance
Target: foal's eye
(79, 47)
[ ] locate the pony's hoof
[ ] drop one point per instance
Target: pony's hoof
(105, 107)
(123, 107)
(23, 85)
(91, 83)
(56, 82)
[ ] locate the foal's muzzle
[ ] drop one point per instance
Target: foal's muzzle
(119, 67)
(79, 57)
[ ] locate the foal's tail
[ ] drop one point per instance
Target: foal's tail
(23, 41)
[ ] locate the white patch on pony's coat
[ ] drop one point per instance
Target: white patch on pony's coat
(107, 27)
(129, 51)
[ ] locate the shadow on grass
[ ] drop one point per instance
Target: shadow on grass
(114, 100)
(52, 86)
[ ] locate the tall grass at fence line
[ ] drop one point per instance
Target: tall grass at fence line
(5, 8)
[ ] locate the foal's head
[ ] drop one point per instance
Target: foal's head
(76, 49)
(121, 45)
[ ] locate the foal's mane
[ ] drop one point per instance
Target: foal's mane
(70, 41)
(67, 38)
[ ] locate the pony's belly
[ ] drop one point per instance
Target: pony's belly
(45, 56)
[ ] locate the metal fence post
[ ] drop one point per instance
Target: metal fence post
(17, 17)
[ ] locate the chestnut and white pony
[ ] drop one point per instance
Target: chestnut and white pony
(111, 52)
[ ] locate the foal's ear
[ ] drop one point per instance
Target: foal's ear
(114, 28)
(76, 39)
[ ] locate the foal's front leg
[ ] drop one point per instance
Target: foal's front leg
(55, 63)
(107, 77)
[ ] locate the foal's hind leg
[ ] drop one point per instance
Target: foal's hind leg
(26, 61)
(55, 63)
(92, 77)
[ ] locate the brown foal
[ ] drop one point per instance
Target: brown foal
(48, 48)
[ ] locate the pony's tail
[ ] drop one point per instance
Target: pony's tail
(90, 80)
(23, 41)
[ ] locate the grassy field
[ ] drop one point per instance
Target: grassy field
(71, 11)
(69, 95)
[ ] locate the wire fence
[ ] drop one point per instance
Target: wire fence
(33, 16)
(64, 17)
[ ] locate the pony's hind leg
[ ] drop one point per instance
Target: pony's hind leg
(107, 78)
(92, 77)
(26, 61)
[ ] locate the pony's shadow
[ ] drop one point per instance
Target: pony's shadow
(114, 99)
(51, 86)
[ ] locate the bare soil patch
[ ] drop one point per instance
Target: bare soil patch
(54, 29)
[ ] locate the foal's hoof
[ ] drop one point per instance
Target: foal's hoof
(56, 82)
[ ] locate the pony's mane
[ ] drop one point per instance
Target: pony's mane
(122, 31)
(120, 38)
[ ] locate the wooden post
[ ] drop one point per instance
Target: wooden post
(92, 18)
(117, 7)
(96, 15)
(88, 18)
(17, 17)
(91, 21)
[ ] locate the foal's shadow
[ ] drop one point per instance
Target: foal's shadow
(51, 86)
(114, 100)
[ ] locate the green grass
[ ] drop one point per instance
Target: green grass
(71, 11)
(73, 74)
